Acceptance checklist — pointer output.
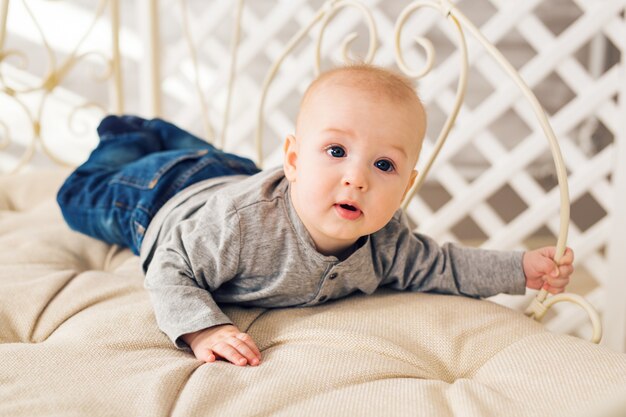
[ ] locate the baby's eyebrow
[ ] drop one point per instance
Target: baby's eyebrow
(401, 150)
(348, 132)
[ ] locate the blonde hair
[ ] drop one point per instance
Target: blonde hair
(371, 77)
(376, 80)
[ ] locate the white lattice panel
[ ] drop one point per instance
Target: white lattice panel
(493, 185)
(54, 78)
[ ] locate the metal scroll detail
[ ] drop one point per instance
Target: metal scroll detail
(331, 11)
(542, 302)
(324, 14)
(430, 52)
(56, 73)
(539, 306)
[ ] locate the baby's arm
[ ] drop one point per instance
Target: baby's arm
(199, 255)
(225, 342)
(542, 272)
(417, 263)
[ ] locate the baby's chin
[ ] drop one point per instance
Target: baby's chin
(350, 238)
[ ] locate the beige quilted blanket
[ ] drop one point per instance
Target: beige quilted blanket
(78, 338)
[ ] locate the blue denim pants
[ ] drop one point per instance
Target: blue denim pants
(137, 167)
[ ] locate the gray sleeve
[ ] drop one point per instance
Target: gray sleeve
(417, 263)
(198, 256)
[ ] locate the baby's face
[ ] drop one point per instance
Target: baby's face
(351, 162)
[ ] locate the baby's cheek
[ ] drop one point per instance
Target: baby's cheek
(393, 197)
(314, 200)
(318, 190)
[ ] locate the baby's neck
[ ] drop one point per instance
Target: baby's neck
(344, 252)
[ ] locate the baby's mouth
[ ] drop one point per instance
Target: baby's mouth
(348, 211)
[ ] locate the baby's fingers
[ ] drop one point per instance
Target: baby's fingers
(553, 290)
(248, 341)
(240, 343)
(567, 258)
(204, 355)
(557, 282)
(566, 270)
(239, 350)
(556, 285)
(228, 352)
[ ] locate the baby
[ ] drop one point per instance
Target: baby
(211, 229)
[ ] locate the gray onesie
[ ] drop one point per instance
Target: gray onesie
(239, 240)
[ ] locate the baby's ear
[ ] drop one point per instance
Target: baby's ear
(290, 158)
(410, 184)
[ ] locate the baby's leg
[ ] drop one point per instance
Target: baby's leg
(90, 200)
(137, 166)
(123, 139)
(174, 138)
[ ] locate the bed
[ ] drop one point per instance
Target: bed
(78, 336)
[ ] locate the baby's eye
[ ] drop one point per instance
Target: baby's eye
(384, 165)
(336, 151)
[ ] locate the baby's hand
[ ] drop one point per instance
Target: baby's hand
(223, 342)
(542, 272)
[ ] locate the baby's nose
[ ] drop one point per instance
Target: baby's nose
(355, 178)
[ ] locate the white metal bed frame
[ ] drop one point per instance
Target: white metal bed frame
(151, 92)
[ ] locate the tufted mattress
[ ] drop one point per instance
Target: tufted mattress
(78, 338)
